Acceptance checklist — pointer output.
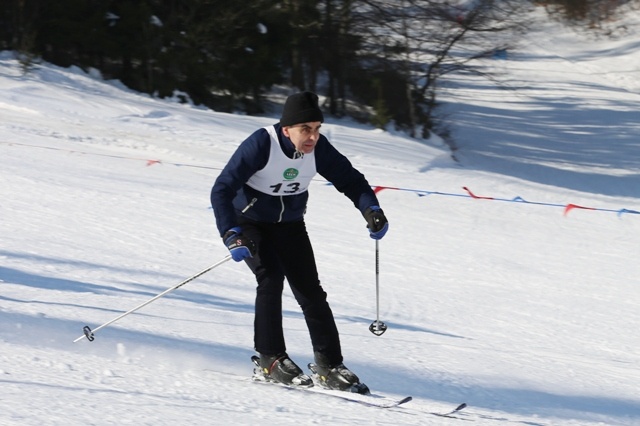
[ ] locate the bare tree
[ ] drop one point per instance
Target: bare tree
(418, 42)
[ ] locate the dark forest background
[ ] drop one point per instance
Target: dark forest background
(377, 61)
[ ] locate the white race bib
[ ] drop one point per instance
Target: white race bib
(283, 176)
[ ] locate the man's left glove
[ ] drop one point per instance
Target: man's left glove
(376, 222)
(239, 246)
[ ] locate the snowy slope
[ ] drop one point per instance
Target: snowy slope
(526, 314)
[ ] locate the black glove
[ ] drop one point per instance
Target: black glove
(239, 246)
(376, 222)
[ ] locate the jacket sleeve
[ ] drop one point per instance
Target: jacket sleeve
(337, 169)
(251, 156)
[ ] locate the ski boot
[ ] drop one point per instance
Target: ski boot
(337, 377)
(280, 369)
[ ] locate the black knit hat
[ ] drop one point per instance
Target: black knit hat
(301, 108)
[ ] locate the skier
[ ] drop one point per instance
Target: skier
(259, 200)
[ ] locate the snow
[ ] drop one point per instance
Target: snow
(526, 314)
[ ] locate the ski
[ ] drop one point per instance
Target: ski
(451, 414)
(368, 399)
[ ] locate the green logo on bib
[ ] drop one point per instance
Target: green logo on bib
(290, 173)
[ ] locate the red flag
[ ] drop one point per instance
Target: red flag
(477, 197)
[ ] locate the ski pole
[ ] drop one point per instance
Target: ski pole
(88, 333)
(378, 327)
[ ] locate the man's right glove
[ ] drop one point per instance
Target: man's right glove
(376, 222)
(239, 246)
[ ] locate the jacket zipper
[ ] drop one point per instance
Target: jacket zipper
(282, 209)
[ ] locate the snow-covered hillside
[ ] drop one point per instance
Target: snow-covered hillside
(527, 314)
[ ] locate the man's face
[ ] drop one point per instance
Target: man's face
(304, 135)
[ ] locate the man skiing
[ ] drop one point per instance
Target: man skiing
(259, 200)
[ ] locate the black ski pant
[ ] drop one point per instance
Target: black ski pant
(284, 251)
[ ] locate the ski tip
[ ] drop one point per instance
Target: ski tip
(405, 400)
(461, 406)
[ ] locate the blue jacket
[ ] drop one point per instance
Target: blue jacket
(230, 195)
